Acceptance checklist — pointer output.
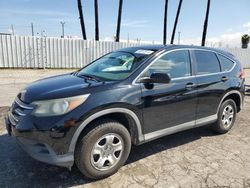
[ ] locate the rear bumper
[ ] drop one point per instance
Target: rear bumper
(38, 150)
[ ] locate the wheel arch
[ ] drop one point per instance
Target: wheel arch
(125, 116)
(235, 96)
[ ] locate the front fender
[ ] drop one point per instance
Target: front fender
(102, 113)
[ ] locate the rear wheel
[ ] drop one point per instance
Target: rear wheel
(103, 150)
(226, 117)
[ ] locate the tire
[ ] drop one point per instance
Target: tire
(226, 117)
(112, 147)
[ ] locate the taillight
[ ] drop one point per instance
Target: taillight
(242, 73)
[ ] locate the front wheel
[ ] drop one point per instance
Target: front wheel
(226, 117)
(103, 150)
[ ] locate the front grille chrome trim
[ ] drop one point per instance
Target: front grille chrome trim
(17, 111)
(24, 106)
(12, 119)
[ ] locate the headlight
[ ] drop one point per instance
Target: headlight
(56, 107)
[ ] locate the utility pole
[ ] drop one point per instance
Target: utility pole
(79, 3)
(12, 29)
(165, 23)
(96, 21)
(176, 21)
(204, 33)
(32, 29)
(179, 37)
(117, 38)
(63, 23)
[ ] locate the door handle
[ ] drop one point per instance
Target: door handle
(224, 78)
(190, 85)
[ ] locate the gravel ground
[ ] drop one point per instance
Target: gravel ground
(193, 158)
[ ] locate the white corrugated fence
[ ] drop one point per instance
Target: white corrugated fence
(45, 52)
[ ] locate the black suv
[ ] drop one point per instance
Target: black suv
(91, 117)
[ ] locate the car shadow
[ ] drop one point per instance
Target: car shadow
(17, 169)
(168, 142)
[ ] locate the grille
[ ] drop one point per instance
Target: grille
(18, 110)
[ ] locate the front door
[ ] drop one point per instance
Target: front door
(166, 106)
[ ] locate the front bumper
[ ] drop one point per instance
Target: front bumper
(39, 150)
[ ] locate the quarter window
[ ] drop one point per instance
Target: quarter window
(207, 62)
(225, 63)
(176, 64)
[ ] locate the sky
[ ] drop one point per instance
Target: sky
(141, 19)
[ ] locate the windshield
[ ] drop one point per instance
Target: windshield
(113, 66)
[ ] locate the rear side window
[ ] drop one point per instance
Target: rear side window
(226, 64)
(207, 62)
(176, 64)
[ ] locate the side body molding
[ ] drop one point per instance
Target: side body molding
(150, 136)
(101, 113)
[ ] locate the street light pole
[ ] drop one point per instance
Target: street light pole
(62, 23)
(32, 29)
(179, 37)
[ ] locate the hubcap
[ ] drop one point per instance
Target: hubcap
(107, 151)
(227, 116)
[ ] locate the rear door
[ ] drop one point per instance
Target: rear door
(211, 84)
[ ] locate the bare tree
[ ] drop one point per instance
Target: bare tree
(96, 21)
(117, 38)
(79, 3)
(165, 23)
(176, 21)
(204, 34)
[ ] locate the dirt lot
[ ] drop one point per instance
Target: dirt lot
(194, 158)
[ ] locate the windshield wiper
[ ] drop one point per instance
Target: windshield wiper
(90, 77)
(74, 73)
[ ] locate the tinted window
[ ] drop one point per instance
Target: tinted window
(207, 62)
(225, 63)
(176, 64)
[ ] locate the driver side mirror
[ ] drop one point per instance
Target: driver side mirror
(156, 78)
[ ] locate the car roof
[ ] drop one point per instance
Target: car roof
(205, 48)
(148, 47)
(172, 46)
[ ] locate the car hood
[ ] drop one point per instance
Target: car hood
(61, 86)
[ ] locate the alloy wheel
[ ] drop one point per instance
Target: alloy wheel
(107, 151)
(227, 116)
